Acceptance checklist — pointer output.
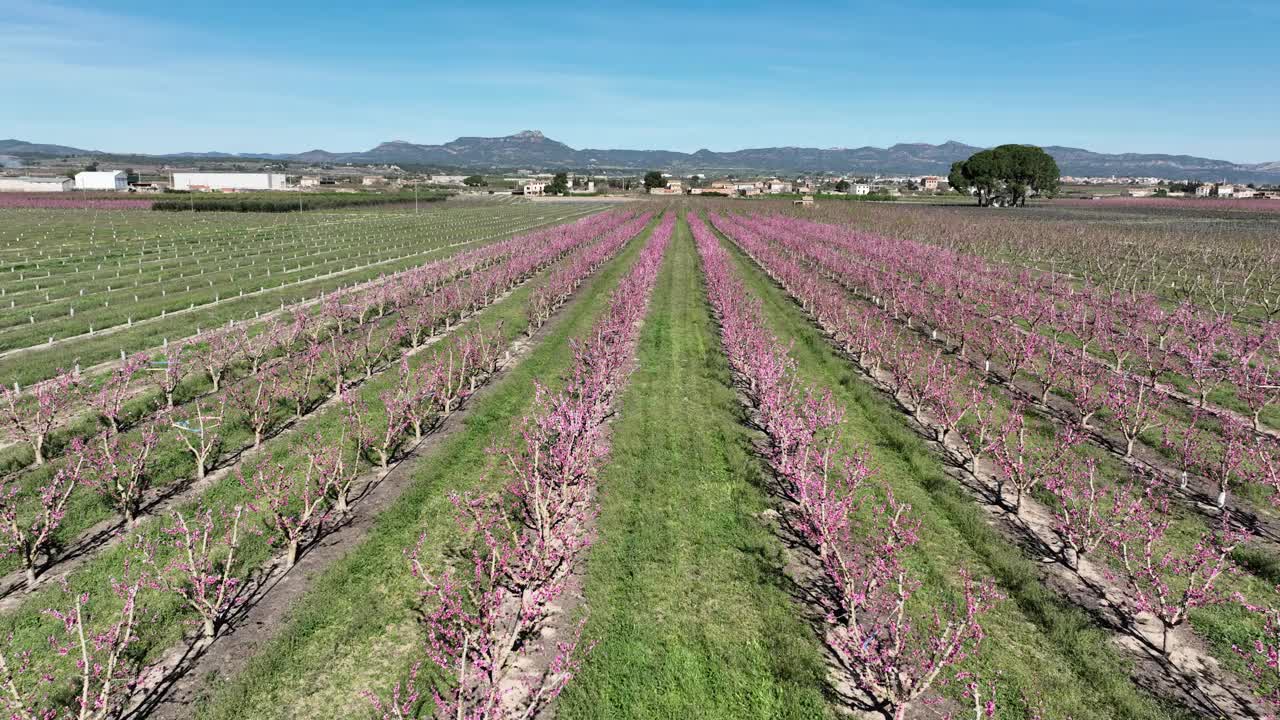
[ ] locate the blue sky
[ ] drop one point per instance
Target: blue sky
(1200, 78)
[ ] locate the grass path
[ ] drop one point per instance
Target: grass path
(356, 628)
(684, 582)
(1037, 643)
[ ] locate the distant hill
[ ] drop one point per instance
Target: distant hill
(531, 149)
(22, 147)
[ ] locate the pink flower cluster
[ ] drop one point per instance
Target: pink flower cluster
(861, 534)
(485, 624)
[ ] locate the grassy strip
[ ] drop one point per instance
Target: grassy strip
(356, 628)
(1037, 643)
(684, 585)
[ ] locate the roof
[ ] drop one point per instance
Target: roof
(29, 178)
(104, 173)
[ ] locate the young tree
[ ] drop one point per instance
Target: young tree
(110, 398)
(653, 179)
(202, 570)
(107, 665)
(254, 400)
(1163, 580)
(198, 430)
(294, 505)
(116, 468)
(32, 538)
(32, 415)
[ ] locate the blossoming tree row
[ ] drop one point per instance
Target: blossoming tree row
(893, 650)
(1126, 530)
(490, 621)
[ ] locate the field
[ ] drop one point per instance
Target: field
(708, 459)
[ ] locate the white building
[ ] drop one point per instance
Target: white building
(532, 187)
(102, 180)
(447, 179)
(35, 184)
(1204, 190)
(1225, 191)
(228, 182)
(861, 189)
(778, 187)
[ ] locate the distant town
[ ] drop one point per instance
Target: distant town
(530, 183)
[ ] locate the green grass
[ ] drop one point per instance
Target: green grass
(1037, 643)
(684, 585)
(356, 628)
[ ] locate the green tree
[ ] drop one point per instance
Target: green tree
(1007, 174)
(842, 186)
(474, 181)
(653, 179)
(559, 184)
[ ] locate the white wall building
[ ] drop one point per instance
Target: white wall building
(861, 189)
(35, 184)
(102, 180)
(228, 182)
(531, 187)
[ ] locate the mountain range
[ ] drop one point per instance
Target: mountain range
(533, 150)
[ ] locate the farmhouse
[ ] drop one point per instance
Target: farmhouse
(929, 182)
(531, 187)
(102, 180)
(1204, 190)
(861, 189)
(368, 180)
(35, 184)
(777, 187)
(228, 182)
(1226, 191)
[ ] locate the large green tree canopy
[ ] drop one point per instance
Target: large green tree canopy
(1006, 174)
(653, 179)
